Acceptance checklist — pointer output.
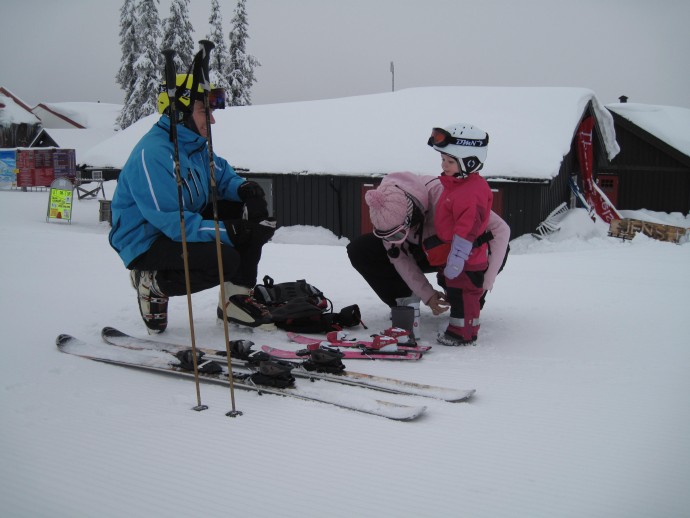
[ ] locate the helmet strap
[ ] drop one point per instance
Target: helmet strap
(188, 122)
(468, 163)
(180, 112)
(461, 167)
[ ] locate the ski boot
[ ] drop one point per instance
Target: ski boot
(453, 337)
(153, 304)
(242, 309)
(412, 302)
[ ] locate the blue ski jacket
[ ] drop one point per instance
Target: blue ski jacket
(145, 204)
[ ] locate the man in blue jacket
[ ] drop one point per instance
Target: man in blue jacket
(146, 230)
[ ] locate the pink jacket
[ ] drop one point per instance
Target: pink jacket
(428, 189)
(498, 247)
(463, 210)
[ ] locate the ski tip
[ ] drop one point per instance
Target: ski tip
(401, 412)
(62, 340)
(457, 396)
(419, 411)
(111, 331)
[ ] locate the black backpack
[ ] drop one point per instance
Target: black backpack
(302, 308)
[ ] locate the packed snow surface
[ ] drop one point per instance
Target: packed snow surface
(582, 406)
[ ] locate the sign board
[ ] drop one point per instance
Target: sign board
(8, 166)
(627, 228)
(60, 200)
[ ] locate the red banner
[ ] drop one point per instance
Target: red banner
(594, 196)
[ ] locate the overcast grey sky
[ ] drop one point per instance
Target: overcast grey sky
(68, 50)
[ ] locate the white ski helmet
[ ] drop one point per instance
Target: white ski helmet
(466, 143)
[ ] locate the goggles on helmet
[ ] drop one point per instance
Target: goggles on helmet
(216, 99)
(441, 138)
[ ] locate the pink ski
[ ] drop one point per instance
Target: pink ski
(348, 354)
(390, 342)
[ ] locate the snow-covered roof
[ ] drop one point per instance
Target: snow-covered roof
(670, 124)
(86, 114)
(530, 129)
(53, 120)
(13, 113)
(81, 140)
(4, 91)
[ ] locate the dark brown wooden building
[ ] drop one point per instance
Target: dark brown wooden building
(648, 173)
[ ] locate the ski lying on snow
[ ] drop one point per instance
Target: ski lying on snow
(334, 342)
(161, 361)
(390, 385)
(285, 354)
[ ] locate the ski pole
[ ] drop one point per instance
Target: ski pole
(170, 75)
(205, 82)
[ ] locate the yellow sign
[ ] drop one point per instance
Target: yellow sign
(60, 201)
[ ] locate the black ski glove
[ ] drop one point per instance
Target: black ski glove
(254, 199)
(263, 231)
(242, 232)
(250, 190)
(239, 231)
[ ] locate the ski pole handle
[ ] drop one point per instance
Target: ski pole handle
(206, 48)
(170, 73)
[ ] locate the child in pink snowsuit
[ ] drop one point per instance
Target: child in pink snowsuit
(462, 216)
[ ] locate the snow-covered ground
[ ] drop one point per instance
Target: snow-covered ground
(582, 406)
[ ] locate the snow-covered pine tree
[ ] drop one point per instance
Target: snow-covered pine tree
(147, 65)
(177, 34)
(218, 66)
(241, 70)
(130, 49)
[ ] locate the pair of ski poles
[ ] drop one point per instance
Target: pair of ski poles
(200, 73)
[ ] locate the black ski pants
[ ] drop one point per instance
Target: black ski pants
(240, 264)
(369, 257)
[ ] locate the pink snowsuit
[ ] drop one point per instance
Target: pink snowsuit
(463, 210)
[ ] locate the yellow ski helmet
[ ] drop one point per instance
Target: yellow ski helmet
(184, 84)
